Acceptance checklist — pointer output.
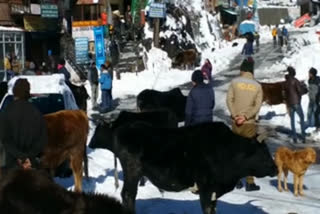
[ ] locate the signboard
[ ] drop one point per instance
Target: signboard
(19, 9)
(49, 10)
(81, 49)
(99, 46)
(37, 24)
(157, 10)
(302, 20)
(35, 9)
(86, 23)
(83, 32)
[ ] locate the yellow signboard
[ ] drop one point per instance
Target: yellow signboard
(38, 24)
(86, 23)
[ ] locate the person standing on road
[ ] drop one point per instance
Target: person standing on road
(200, 101)
(110, 71)
(22, 142)
(105, 84)
(313, 89)
(293, 93)
(244, 100)
(93, 78)
(285, 35)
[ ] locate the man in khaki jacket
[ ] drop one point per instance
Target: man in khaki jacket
(244, 100)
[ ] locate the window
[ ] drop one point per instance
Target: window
(77, 13)
(46, 103)
(86, 12)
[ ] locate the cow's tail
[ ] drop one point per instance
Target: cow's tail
(116, 174)
(85, 162)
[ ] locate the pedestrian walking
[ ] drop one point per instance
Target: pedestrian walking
(293, 93)
(105, 84)
(200, 101)
(247, 49)
(274, 35)
(280, 36)
(257, 39)
(285, 35)
(206, 70)
(93, 78)
(244, 100)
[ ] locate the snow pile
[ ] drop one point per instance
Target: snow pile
(44, 84)
(277, 3)
(158, 76)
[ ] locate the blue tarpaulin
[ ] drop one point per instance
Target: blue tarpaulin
(244, 2)
(99, 46)
(247, 27)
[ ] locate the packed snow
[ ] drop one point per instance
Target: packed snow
(303, 53)
(159, 75)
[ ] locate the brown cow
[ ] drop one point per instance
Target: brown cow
(186, 58)
(67, 138)
(33, 191)
(273, 93)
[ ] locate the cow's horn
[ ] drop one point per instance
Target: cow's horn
(261, 137)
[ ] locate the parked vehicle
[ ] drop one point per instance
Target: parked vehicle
(48, 92)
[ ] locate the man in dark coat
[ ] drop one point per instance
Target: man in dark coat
(93, 78)
(23, 129)
(200, 101)
(313, 89)
(293, 93)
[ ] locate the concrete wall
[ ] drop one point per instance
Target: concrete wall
(272, 16)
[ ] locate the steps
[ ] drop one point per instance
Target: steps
(130, 59)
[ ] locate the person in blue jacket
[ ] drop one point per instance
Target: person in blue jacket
(247, 49)
(200, 101)
(105, 83)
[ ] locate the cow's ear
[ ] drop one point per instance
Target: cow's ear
(261, 137)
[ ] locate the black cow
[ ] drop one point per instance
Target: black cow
(209, 154)
(80, 95)
(173, 100)
(31, 191)
(104, 131)
(3, 89)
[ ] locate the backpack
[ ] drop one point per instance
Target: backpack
(285, 32)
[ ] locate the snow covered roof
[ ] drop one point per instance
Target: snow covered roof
(44, 84)
(3, 28)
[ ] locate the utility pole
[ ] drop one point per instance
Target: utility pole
(156, 29)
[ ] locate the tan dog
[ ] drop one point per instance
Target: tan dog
(295, 161)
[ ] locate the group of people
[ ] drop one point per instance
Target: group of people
(280, 36)
(244, 99)
(105, 80)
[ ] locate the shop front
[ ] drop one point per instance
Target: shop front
(12, 49)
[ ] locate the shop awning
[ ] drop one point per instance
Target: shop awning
(81, 2)
(232, 12)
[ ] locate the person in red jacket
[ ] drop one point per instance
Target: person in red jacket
(207, 70)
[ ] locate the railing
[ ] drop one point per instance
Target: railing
(80, 70)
